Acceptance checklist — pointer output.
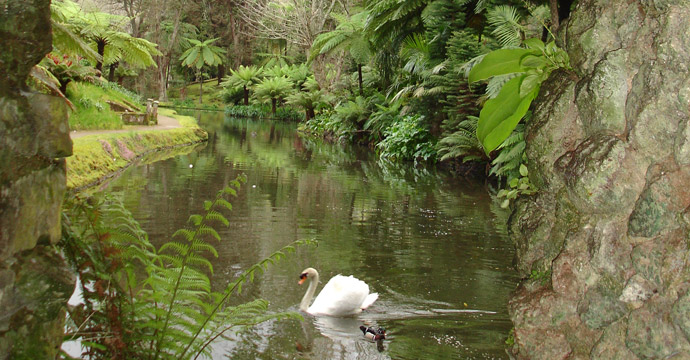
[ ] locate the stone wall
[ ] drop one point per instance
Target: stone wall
(609, 147)
(34, 137)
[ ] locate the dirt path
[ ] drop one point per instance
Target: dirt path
(164, 123)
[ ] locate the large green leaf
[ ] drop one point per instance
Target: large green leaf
(500, 62)
(208, 57)
(500, 115)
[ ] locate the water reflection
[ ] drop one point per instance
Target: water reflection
(429, 244)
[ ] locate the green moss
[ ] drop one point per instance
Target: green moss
(100, 156)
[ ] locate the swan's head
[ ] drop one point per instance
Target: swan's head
(307, 273)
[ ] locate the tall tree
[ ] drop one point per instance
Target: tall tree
(104, 33)
(274, 89)
(244, 77)
(348, 35)
(297, 21)
(200, 54)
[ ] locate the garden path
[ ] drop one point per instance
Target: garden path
(164, 123)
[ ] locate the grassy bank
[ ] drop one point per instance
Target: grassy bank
(94, 102)
(101, 156)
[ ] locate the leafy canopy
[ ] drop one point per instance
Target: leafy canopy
(202, 53)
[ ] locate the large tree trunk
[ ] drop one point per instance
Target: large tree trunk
(221, 73)
(111, 74)
(608, 232)
(164, 62)
(100, 48)
(553, 6)
(200, 78)
(359, 73)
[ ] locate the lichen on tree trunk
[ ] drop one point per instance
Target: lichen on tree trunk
(610, 227)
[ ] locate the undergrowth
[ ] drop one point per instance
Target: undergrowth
(92, 111)
(140, 302)
(283, 113)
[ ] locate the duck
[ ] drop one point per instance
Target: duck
(342, 295)
(373, 334)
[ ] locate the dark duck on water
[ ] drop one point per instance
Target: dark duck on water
(373, 334)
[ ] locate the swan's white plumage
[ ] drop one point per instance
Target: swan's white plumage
(342, 295)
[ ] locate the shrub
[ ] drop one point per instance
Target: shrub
(408, 139)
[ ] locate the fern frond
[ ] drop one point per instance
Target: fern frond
(508, 30)
(216, 216)
(177, 248)
(495, 84)
(184, 233)
(207, 230)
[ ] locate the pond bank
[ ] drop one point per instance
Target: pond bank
(100, 155)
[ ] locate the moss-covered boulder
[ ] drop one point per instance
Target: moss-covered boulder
(35, 282)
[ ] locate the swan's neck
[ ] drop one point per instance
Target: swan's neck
(304, 305)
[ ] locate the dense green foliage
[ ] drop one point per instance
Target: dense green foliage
(143, 302)
(528, 68)
(263, 112)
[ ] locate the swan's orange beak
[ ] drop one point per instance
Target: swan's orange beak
(301, 281)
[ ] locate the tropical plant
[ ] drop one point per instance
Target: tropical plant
(200, 54)
(462, 143)
(348, 35)
(140, 302)
(393, 21)
(244, 77)
(273, 89)
(408, 139)
(299, 75)
(511, 155)
(517, 186)
(354, 112)
(66, 25)
(529, 67)
(307, 100)
(66, 68)
(247, 111)
(104, 33)
(383, 118)
(422, 71)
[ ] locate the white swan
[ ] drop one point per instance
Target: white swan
(342, 295)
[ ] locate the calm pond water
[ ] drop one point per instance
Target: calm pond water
(430, 245)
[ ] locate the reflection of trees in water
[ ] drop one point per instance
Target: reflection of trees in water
(403, 230)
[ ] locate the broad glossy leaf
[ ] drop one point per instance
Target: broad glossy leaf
(499, 62)
(500, 115)
(533, 61)
(534, 43)
(529, 83)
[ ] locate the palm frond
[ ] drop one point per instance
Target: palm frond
(506, 20)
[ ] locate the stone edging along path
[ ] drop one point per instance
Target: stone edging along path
(164, 123)
(102, 154)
